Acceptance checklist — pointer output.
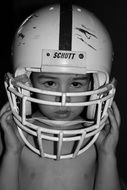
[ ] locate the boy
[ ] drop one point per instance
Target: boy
(60, 105)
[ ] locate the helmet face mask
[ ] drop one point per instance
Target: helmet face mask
(42, 46)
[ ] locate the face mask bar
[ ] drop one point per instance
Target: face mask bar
(91, 128)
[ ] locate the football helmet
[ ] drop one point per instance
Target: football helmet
(61, 39)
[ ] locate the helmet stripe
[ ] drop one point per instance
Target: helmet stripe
(65, 33)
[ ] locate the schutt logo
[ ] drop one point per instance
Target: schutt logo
(64, 55)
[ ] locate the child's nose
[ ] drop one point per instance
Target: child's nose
(59, 99)
(62, 89)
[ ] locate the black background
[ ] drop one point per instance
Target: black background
(113, 15)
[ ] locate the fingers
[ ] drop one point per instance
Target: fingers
(116, 113)
(5, 120)
(5, 113)
(5, 108)
(12, 138)
(113, 121)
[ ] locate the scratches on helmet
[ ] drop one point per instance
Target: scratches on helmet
(21, 35)
(80, 38)
(86, 34)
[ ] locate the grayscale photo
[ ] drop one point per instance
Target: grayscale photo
(63, 118)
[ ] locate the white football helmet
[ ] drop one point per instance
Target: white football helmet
(61, 39)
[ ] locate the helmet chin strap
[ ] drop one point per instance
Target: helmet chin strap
(54, 123)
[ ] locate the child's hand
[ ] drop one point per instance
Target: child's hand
(13, 141)
(108, 137)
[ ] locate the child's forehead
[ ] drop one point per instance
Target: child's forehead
(59, 75)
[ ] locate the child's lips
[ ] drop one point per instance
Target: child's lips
(63, 113)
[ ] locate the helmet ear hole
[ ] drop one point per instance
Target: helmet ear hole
(28, 104)
(24, 77)
(91, 110)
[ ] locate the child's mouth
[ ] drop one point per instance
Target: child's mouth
(62, 114)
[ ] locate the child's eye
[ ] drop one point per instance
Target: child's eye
(76, 84)
(49, 84)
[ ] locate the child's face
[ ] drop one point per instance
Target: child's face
(61, 83)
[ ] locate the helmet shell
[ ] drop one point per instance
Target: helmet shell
(41, 31)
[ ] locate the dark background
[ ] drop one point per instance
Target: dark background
(113, 15)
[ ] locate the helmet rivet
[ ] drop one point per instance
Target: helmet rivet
(81, 56)
(48, 54)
